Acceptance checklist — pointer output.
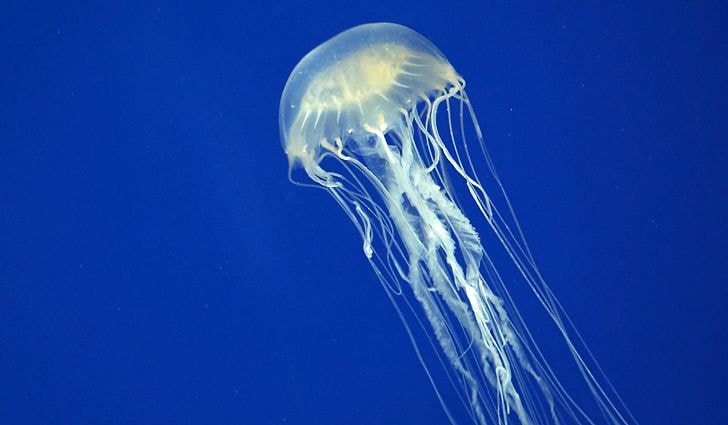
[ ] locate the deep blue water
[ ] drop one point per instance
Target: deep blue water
(157, 267)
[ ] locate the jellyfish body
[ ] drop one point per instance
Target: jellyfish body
(359, 115)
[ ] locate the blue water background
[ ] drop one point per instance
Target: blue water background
(156, 266)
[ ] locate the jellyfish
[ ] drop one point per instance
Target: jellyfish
(378, 117)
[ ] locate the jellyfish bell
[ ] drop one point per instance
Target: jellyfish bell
(364, 78)
(379, 118)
